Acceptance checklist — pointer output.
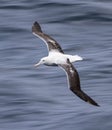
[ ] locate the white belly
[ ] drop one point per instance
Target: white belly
(57, 58)
(60, 58)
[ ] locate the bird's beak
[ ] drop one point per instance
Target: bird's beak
(38, 64)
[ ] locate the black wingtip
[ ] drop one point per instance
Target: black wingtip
(92, 102)
(36, 27)
(85, 97)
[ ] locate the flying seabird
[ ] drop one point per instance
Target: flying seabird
(56, 57)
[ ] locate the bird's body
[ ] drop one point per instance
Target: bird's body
(56, 57)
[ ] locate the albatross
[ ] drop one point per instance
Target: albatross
(56, 57)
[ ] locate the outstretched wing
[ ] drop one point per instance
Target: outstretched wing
(50, 42)
(74, 82)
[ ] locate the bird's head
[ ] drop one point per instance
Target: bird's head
(42, 61)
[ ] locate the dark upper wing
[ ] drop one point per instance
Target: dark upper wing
(50, 42)
(74, 83)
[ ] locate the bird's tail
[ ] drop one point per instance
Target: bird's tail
(85, 97)
(74, 58)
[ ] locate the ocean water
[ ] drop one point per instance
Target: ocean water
(38, 98)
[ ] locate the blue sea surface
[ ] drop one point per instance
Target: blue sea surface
(38, 98)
